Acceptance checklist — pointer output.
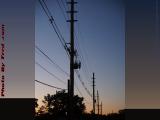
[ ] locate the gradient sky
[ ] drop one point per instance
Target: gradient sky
(142, 54)
(100, 32)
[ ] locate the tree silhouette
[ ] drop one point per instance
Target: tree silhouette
(36, 104)
(56, 105)
(55, 108)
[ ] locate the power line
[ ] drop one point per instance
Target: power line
(85, 68)
(81, 53)
(53, 20)
(50, 73)
(44, 9)
(66, 20)
(88, 92)
(66, 16)
(79, 77)
(62, 10)
(79, 91)
(58, 32)
(84, 49)
(81, 94)
(83, 57)
(64, 6)
(49, 85)
(54, 25)
(56, 29)
(40, 50)
(57, 66)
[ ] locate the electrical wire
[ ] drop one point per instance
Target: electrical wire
(50, 73)
(51, 60)
(49, 85)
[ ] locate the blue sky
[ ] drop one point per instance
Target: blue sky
(100, 33)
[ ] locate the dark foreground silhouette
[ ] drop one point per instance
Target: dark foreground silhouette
(55, 108)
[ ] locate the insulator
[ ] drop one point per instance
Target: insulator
(75, 52)
(77, 65)
(68, 49)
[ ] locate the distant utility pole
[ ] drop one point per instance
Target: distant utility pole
(93, 94)
(73, 64)
(101, 108)
(98, 102)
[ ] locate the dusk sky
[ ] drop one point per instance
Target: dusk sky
(101, 39)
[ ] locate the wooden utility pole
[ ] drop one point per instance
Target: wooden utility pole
(73, 63)
(93, 94)
(71, 82)
(101, 108)
(98, 103)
